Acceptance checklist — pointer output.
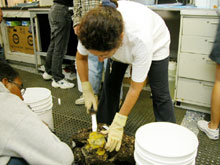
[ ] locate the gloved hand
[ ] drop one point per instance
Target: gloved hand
(115, 133)
(90, 98)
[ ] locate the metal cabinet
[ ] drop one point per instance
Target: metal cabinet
(195, 71)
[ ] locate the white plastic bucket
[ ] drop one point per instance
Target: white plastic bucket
(140, 161)
(166, 144)
(157, 159)
(40, 101)
(47, 117)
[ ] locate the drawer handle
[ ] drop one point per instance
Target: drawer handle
(210, 62)
(207, 85)
(209, 41)
(215, 23)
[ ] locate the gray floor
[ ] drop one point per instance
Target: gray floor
(69, 118)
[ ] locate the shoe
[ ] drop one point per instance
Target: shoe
(211, 133)
(63, 84)
(80, 100)
(47, 76)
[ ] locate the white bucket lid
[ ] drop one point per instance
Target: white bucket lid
(166, 140)
(36, 95)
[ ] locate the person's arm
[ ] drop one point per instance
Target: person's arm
(117, 127)
(82, 69)
(82, 66)
(34, 142)
(131, 97)
(140, 68)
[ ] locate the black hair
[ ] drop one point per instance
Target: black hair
(101, 28)
(6, 71)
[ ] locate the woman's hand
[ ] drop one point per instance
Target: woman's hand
(115, 133)
(90, 98)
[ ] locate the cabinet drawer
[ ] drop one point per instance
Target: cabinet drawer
(196, 66)
(200, 26)
(193, 91)
(194, 44)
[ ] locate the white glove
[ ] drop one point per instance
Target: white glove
(115, 133)
(90, 98)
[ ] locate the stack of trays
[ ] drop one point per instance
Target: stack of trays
(164, 143)
(40, 101)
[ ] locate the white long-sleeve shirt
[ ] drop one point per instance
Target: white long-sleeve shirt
(23, 134)
(146, 39)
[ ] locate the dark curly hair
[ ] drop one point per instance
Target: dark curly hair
(101, 28)
(6, 71)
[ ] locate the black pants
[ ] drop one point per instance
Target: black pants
(159, 83)
(158, 79)
(110, 96)
(60, 25)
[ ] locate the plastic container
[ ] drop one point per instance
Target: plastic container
(140, 160)
(157, 159)
(166, 144)
(47, 117)
(40, 101)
